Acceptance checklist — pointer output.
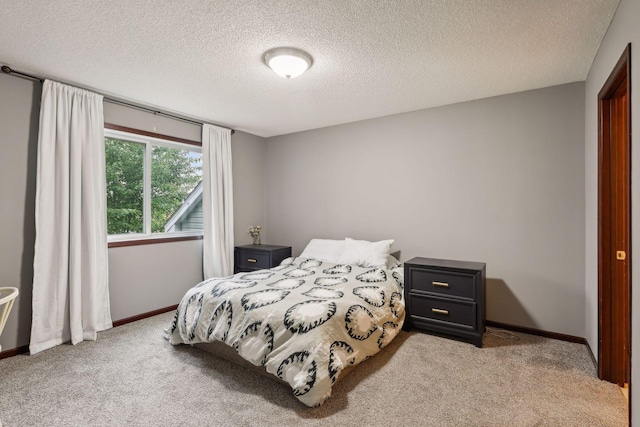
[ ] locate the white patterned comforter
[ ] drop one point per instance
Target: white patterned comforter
(304, 321)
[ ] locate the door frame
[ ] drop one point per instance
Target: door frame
(621, 71)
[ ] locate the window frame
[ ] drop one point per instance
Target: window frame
(150, 139)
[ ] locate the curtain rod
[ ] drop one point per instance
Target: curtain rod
(8, 70)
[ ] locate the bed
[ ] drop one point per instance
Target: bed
(304, 321)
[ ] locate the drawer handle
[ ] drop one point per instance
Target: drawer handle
(437, 310)
(251, 260)
(441, 284)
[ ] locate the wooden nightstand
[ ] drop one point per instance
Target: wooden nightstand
(446, 297)
(258, 257)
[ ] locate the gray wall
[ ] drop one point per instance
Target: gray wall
(148, 277)
(499, 180)
(249, 186)
(623, 30)
(142, 278)
(19, 115)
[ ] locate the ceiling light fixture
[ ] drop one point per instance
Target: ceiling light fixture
(288, 62)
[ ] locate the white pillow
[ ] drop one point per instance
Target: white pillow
(365, 253)
(324, 250)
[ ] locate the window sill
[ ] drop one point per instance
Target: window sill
(148, 240)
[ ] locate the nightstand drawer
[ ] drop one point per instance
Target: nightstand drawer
(254, 260)
(443, 310)
(448, 283)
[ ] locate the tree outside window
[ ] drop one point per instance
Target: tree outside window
(143, 200)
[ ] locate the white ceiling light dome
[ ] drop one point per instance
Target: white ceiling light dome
(288, 62)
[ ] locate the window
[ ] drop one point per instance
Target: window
(154, 186)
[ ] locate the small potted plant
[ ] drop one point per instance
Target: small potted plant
(254, 230)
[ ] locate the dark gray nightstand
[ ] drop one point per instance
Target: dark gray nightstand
(258, 257)
(446, 297)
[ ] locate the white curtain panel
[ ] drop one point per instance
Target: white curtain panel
(218, 201)
(70, 283)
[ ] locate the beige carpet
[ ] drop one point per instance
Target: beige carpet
(132, 377)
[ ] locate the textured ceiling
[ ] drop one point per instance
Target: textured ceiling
(371, 58)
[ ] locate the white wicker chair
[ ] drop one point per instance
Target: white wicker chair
(6, 302)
